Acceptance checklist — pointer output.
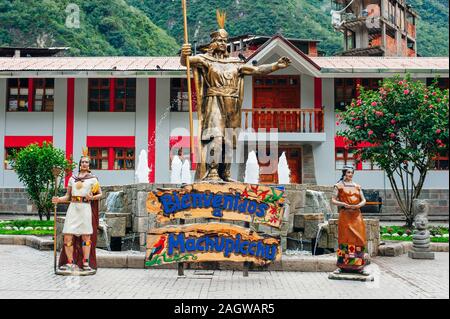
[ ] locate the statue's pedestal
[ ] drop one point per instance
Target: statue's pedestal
(337, 275)
(417, 254)
(81, 273)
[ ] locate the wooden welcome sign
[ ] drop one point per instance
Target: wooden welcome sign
(228, 201)
(209, 242)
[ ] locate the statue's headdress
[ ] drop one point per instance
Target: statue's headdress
(85, 152)
(221, 32)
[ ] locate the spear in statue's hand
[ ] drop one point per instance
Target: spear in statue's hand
(188, 72)
(56, 171)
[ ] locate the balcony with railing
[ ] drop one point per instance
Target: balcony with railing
(290, 124)
(357, 16)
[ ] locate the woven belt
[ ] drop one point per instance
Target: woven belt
(79, 199)
(225, 91)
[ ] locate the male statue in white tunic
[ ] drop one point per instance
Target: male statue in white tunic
(80, 226)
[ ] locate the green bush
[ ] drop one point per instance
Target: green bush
(33, 166)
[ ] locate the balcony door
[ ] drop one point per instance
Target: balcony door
(273, 97)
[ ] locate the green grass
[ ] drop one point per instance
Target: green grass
(409, 238)
(434, 230)
(26, 223)
(26, 232)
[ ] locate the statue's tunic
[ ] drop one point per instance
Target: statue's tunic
(351, 229)
(79, 215)
(221, 105)
(87, 210)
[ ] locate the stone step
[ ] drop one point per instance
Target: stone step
(394, 249)
(323, 263)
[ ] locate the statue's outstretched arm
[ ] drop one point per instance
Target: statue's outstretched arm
(266, 68)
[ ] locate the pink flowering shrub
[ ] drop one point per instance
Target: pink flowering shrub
(406, 122)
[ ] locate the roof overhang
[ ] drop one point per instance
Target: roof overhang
(84, 67)
(93, 74)
(279, 46)
(380, 67)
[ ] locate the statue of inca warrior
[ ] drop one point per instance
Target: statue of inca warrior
(219, 81)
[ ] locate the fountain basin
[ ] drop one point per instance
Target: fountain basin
(296, 263)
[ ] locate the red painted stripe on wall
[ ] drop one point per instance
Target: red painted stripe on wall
(112, 94)
(24, 141)
(318, 102)
(111, 158)
(151, 128)
(318, 93)
(70, 120)
(111, 141)
(30, 94)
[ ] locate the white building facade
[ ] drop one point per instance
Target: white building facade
(118, 106)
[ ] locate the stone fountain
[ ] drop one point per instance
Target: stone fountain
(252, 169)
(284, 173)
(176, 170)
(142, 170)
(115, 221)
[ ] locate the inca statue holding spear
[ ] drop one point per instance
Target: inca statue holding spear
(219, 81)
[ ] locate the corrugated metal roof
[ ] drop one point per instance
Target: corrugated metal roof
(387, 63)
(117, 64)
(91, 64)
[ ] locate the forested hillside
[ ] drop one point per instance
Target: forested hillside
(154, 27)
(106, 27)
(294, 18)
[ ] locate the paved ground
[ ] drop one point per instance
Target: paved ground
(28, 273)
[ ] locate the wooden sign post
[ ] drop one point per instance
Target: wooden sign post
(215, 241)
(257, 204)
(210, 242)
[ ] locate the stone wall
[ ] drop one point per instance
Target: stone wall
(309, 175)
(135, 197)
(438, 199)
(15, 201)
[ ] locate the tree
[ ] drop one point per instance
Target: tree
(406, 124)
(33, 166)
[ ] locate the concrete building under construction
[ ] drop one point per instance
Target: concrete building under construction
(376, 27)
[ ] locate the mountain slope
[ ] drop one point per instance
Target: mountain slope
(293, 18)
(154, 27)
(432, 27)
(106, 28)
